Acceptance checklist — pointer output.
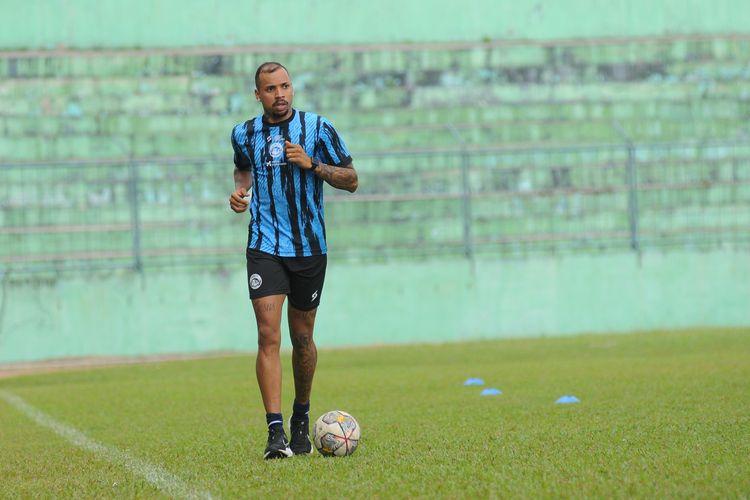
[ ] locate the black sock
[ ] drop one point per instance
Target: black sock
(299, 411)
(274, 419)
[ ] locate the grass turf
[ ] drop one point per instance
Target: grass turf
(661, 414)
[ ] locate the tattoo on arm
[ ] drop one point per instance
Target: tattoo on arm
(343, 177)
(242, 178)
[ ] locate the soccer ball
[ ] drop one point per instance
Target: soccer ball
(336, 433)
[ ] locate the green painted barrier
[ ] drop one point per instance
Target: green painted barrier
(187, 311)
(172, 23)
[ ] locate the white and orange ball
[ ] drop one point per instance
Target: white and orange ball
(336, 434)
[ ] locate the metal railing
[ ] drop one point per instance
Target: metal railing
(149, 213)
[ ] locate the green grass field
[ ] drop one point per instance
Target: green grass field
(661, 415)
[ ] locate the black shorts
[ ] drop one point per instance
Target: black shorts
(299, 278)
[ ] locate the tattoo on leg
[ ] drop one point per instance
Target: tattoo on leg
(306, 315)
(304, 353)
(304, 359)
(301, 342)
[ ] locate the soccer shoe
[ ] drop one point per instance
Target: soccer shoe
(278, 446)
(300, 430)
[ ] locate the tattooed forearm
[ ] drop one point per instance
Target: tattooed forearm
(242, 178)
(344, 177)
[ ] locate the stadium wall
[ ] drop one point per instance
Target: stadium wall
(127, 313)
(183, 311)
(170, 23)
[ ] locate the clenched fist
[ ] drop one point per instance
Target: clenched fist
(239, 200)
(296, 154)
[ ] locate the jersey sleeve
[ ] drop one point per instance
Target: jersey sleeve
(331, 148)
(241, 159)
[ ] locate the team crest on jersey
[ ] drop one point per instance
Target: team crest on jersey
(275, 150)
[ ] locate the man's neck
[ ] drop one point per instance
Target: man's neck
(271, 119)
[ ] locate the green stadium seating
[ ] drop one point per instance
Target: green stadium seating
(660, 90)
(136, 145)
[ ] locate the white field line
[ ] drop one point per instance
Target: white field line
(154, 474)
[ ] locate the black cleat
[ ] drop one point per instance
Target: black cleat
(278, 446)
(300, 430)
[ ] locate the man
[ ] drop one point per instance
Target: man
(281, 159)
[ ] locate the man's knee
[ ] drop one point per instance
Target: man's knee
(302, 341)
(269, 339)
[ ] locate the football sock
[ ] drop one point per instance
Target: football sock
(274, 419)
(300, 411)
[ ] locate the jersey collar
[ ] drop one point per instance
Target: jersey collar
(282, 122)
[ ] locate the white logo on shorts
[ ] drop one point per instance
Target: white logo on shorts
(255, 281)
(314, 295)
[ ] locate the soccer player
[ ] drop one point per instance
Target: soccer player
(281, 159)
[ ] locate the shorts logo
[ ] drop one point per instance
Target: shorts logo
(314, 295)
(255, 281)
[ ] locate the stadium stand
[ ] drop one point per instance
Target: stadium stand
(498, 148)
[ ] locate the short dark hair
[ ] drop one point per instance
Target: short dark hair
(268, 67)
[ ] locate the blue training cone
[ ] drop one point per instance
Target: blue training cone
(474, 381)
(566, 400)
(491, 391)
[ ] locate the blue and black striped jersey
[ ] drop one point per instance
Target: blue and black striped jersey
(287, 201)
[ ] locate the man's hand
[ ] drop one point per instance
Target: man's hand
(238, 200)
(296, 154)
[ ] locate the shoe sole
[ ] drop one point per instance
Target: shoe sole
(300, 453)
(273, 454)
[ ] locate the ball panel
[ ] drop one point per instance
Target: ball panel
(331, 417)
(330, 443)
(348, 426)
(347, 449)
